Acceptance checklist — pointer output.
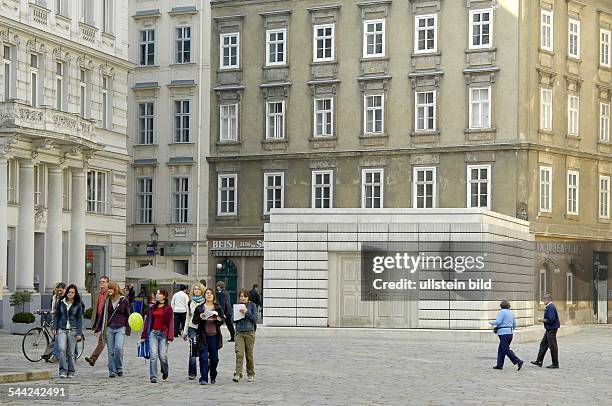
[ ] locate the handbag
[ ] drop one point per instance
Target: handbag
(193, 346)
(144, 349)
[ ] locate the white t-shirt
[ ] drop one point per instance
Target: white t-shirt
(68, 305)
(179, 302)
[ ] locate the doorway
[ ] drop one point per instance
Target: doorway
(226, 272)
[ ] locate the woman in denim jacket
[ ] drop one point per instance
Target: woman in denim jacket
(68, 325)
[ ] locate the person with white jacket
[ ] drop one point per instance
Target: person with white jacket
(179, 303)
(190, 330)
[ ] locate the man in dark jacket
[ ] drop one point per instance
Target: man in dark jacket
(551, 324)
(224, 301)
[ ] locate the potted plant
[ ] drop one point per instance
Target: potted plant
(22, 321)
(87, 318)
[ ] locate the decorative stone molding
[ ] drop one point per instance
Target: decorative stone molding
(373, 9)
(485, 74)
(84, 62)
(424, 159)
(276, 19)
(481, 3)
(471, 157)
(428, 79)
(107, 70)
(227, 167)
(322, 164)
(61, 54)
(275, 90)
(547, 76)
(324, 87)
(573, 83)
(426, 6)
(373, 162)
(277, 164)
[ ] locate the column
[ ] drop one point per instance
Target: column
(25, 228)
(3, 219)
(53, 260)
(76, 273)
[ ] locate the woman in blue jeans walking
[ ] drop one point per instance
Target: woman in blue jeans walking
(68, 325)
(196, 298)
(114, 327)
(209, 317)
(505, 325)
(160, 332)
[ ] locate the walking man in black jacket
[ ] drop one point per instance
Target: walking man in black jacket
(551, 324)
(225, 303)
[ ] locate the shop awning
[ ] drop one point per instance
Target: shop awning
(238, 252)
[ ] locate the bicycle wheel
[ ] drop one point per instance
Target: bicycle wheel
(80, 347)
(34, 344)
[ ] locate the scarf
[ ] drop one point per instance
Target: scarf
(106, 317)
(197, 299)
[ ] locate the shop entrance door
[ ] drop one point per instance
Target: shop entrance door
(228, 274)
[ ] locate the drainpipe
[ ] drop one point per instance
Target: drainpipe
(199, 160)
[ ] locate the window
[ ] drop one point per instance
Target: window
(372, 188)
(61, 7)
(227, 194)
(12, 175)
(481, 29)
(323, 43)
(83, 97)
(569, 288)
(424, 188)
(182, 120)
(546, 109)
(572, 192)
(180, 200)
(573, 44)
(88, 11)
(546, 30)
(146, 123)
(543, 290)
(373, 38)
(604, 122)
(425, 111)
(106, 103)
(274, 185)
(275, 47)
(373, 114)
(34, 79)
(147, 47)
(275, 120)
(604, 58)
(66, 184)
(322, 189)
(7, 59)
(604, 196)
(479, 186)
(183, 45)
(323, 117)
(228, 128)
(545, 189)
(97, 192)
(230, 51)
(107, 16)
(59, 86)
(39, 185)
(480, 108)
(573, 115)
(425, 35)
(144, 200)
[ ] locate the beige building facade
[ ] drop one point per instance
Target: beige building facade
(502, 105)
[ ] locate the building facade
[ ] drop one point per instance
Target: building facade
(63, 160)
(495, 104)
(168, 110)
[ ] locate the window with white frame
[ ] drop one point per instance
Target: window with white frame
(424, 188)
(146, 123)
(275, 120)
(373, 114)
(322, 189)
(604, 196)
(97, 192)
(107, 113)
(573, 115)
(7, 60)
(546, 30)
(12, 176)
(569, 288)
(34, 79)
(144, 200)
(546, 109)
(480, 108)
(372, 188)
(61, 7)
(323, 43)
(108, 16)
(479, 186)
(228, 126)
(543, 290)
(573, 191)
(276, 47)
(180, 200)
(274, 193)
(323, 117)
(425, 111)
(182, 121)
(545, 189)
(83, 93)
(66, 186)
(39, 185)
(88, 11)
(147, 47)
(604, 122)
(425, 33)
(230, 50)
(573, 40)
(481, 28)
(604, 48)
(183, 44)
(227, 194)
(59, 85)
(373, 38)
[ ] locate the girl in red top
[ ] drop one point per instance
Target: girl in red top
(159, 331)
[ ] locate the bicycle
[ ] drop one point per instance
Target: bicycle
(38, 340)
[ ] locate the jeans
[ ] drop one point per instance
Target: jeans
(245, 342)
(193, 371)
(209, 350)
(504, 350)
(114, 339)
(549, 341)
(67, 345)
(159, 348)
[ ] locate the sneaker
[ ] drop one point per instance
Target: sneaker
(70, 376)
(236, 378)
(496, 367)
(90, 361)
(54, 359)
(63, 375)
(153, 380)
(112, 375)
(213, 381)
(164, 376)
(120, 374)
(537, 363)
(191, 378)
(251, 378)
(553, 366)
(231, 340)
(203, 382)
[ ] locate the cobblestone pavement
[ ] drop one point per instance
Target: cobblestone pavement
(332, 371)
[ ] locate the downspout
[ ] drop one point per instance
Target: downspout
(199, 149)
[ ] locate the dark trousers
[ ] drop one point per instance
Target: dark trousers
(230, 326)
(209, 359)
(179, 323)
(504, 350)
(99, 348)
(549, 341)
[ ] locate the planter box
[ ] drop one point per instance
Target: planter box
(22, 328)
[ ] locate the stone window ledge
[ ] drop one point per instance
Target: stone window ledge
(573, 217)
(545, 214)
